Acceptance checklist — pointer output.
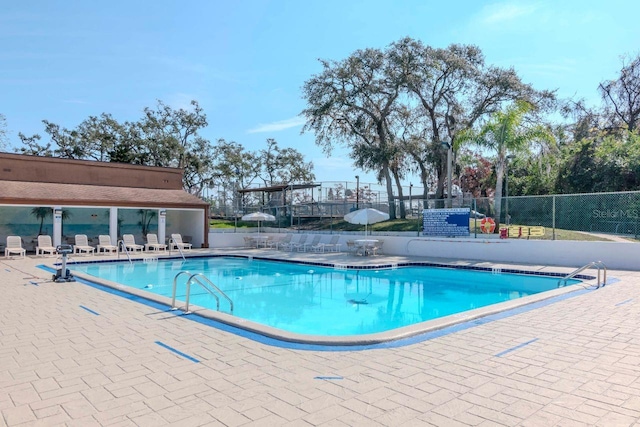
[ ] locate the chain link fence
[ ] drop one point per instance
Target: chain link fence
(600, 213)
(615, 213)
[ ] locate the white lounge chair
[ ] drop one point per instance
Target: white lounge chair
(311, 245)
(82, 245)
(271, 242)
(153, 244)
(333, 244)
(14, 246)
(295, 245)
(176, 242)
(105, 244)
(130, 243)
(45, 245)
(283, 241)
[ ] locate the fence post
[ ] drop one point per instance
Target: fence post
(553, 219)
(331, 213)
(475, 219)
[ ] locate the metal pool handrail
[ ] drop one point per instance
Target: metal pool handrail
(175, 286)
(598, 264)
(124, 249)
(173, 242)
(195, 279)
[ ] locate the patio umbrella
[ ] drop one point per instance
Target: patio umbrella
(366, 216)
(258, 216)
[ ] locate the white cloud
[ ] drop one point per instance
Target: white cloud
(279, 125)
(497, 13)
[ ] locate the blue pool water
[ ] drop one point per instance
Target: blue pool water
(317, 300)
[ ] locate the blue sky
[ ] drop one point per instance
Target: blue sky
(246, 61)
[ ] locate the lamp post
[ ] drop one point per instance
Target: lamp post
(506, 186)
(449, 146)
(357, 192)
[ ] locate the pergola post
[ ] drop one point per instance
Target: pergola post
(113, 225)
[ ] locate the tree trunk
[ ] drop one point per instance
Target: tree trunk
(392, 203)
(441, 172)
(403, 211)
(498, 196)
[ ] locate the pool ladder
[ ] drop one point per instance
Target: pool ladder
(171, 244)
(597, 264)
(123, 248)
(205, 283)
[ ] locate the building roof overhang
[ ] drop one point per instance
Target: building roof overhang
(55, 194)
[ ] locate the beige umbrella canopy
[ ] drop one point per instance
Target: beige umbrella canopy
(366, 216)
(258, 216)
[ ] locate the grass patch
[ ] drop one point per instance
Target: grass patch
(222, 223)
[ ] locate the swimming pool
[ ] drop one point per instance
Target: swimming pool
(314, 300)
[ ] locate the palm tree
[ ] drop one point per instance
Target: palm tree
(146, 215)
(507, 132)
(41, 213)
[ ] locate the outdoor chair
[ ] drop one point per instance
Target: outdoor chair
(333, 244)
(250, 242)
(130, 243)
(311, 245)
(291, 244)
(377, 247)
(319, 246)
(299, 244)
(45, 245)
(82, 245)
(285, 240)
(351, 246)
(271, 242)
(14, 246)
(153, 244)
(176, 242)
(104, 244)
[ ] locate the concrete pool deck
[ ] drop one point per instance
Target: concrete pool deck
(71, 354)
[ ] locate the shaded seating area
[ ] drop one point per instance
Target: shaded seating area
(153, 244)
(105, 245)
(130, 243)
(14, 246)
(45, 246)
(366, 247)
(82, 245)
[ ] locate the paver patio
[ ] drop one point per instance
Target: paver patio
(74, 355)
